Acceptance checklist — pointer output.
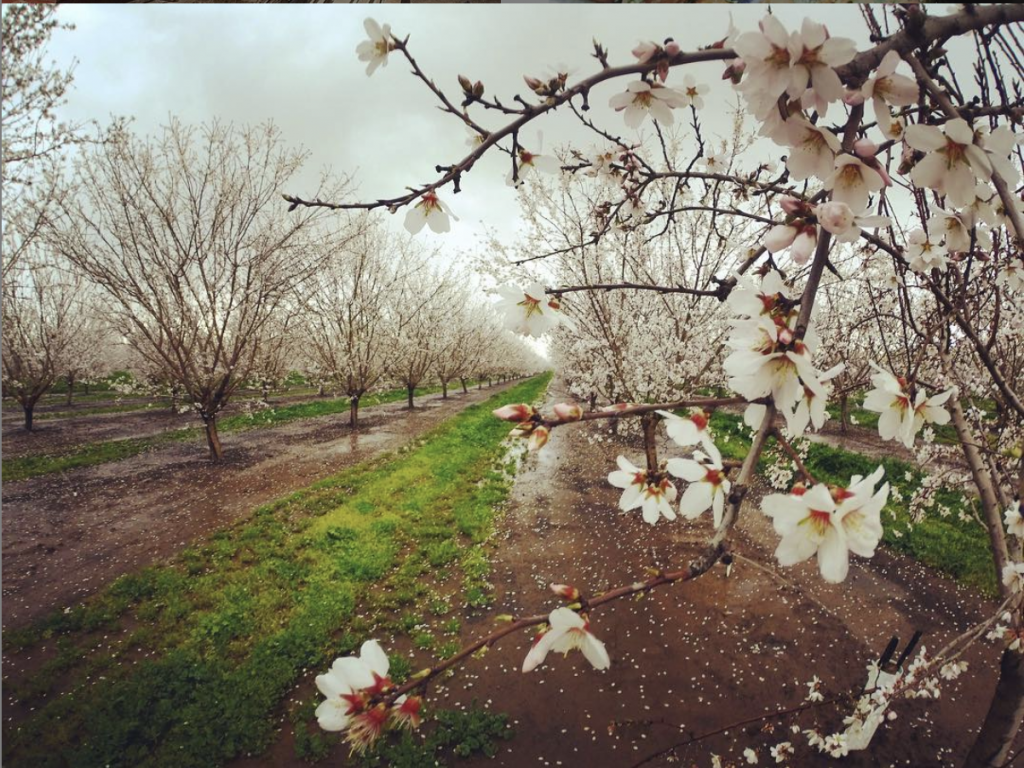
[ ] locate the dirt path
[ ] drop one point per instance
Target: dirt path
(60, 434)
(65, 536)
(696, 657)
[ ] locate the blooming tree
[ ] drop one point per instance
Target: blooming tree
(182, 234)
(906, 218)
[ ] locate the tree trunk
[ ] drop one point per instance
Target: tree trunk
(464, 390)
(174, 399)
(353, 412)
(844, 413)
(265, 388)
(28, 416)
(85, 387)
(320, 390)
(444, 390)
(1003, 720)
(71, 389)
(411, 389)
(213, 439)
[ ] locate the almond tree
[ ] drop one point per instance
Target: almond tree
(886, 143)
(43, 317)
(423, 303)
(185, 235)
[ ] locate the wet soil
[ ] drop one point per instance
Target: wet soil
(67, 432)
(701, 657)
(694, 658)
(67, 535)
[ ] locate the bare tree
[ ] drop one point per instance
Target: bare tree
(185, 235)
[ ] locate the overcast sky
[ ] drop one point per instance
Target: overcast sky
(296, 65)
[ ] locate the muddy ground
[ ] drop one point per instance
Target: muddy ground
(67, 535)
(65, 433)
(693, 658)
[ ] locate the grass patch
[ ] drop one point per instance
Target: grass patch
(187, 664)
(91, 454)
(948, 539)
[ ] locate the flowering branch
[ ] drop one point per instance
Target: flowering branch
(698, 567)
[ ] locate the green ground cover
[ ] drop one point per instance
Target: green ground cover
(192, 663)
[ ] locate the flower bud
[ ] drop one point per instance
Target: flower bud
(538, 438)
(568, 412)
(566, 592)
(791, 205)
(835, 217)
(671, 47)
(519, 412)
(478, 89)
(853, 98)
(779, 238)
(865, 148)
(466, 84)
(533, 83)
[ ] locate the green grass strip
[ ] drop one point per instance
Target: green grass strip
(91, 454)
(954, 544)
(187, 664)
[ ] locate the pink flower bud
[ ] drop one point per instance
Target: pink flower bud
(853, 98)
(538, 438)
(672, 47)
(566, 592)
(791, 205)
(645, 51)
(518, 412)
(568, 412)
(835, 217)
(865, 148)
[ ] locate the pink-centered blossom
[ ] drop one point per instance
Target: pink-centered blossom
(530, 312)
(828, 522)
(652, 493)
(708, 486)
(688, 430)
(568, 632)
(430, 211)
(350, 687)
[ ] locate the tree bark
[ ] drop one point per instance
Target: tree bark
(411, 390)
(1003, 720)
(353, 412)
(28, 416)
(213, 439)
(85, 387)
(444, 390)
(320, 390)
(71, 388)
(465, 391)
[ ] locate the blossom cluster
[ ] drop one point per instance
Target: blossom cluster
(771, 357)
(354, 687)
